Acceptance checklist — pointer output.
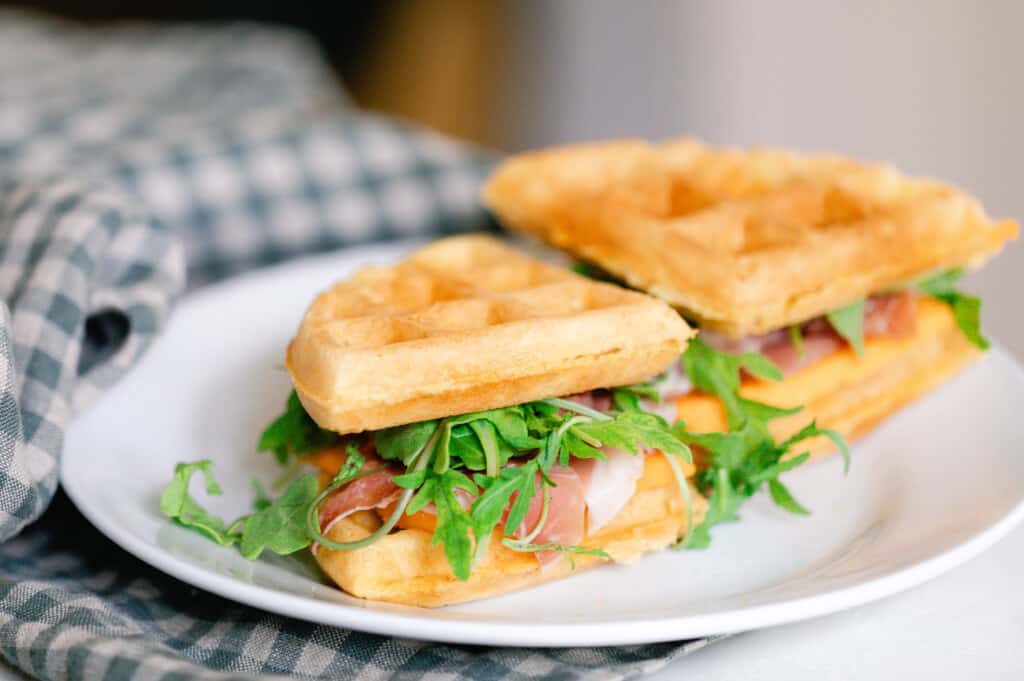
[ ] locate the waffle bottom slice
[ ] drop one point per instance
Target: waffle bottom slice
(853, 394)
(403, 567)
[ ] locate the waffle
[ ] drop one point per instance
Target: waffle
(743, 242)
(467, 324)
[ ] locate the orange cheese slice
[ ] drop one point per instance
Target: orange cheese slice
(845, 391)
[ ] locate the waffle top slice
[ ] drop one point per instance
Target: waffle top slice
(742, 241)
(466, 324)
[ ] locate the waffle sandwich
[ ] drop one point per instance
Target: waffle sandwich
(453, 465)
(840, 272)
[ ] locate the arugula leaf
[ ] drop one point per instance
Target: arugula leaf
(294, 433)
(812, 430)
(510, 424)
(400, 443)
(569, 550)
(760, 366)
(425, 492)
(581, 446)
(796, 337)
(848, 321)
(467, 446)
(718, 373)
(177, 504)
(443, 450)
(493, 452)
(775, 470)
(354, 462)
(782, 497)
(941, 283)
(966, 308)
(281, 526)
(967, 311)
(454, 523)
(518, 481)
(760, 411)
(260, 497)
(627, 398)
(630, 430)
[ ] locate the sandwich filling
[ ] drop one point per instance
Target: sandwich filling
(538, 477)
(888, 315)
(585, 495)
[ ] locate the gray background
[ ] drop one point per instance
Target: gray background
(933, 86)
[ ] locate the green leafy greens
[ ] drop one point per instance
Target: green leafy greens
(966, 308)
(481, 471)
(848, 321)
(796, 337)
(177, 503)
(744, 459)
(294, 433)
(471, 452)
(277, 525)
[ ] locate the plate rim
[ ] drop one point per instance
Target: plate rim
(473, 631)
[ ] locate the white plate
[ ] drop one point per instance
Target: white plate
(934, 486)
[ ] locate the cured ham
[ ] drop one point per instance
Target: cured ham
(601, 400)
(893, 315)
(889, 315)
(376, 490)
(609, 484)
(790, 359)
(565, 516)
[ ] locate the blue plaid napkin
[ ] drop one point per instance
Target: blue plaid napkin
(133, 160)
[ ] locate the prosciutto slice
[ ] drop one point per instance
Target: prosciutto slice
(609, 484)
(888, 315)
(790, 360)
(601, 400)
(565, 520)
(376, 490)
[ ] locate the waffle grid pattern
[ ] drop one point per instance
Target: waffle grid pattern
(456, 286)
(743, 241)
(736, 202)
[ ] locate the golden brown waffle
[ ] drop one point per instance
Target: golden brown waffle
(742, 241)
(466, 324)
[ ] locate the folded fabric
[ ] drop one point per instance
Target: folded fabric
(128, 156)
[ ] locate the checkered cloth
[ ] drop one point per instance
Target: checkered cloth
(128, 157)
